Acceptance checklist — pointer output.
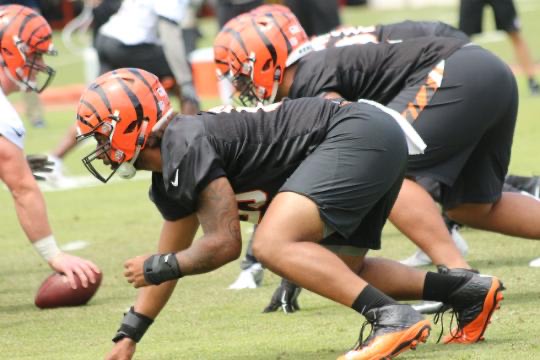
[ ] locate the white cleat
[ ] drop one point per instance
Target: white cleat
(420, 258)
(535, 263)
(428, 307)
(250, 278)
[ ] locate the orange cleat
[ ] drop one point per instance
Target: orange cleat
(395, 329)
(474, 303)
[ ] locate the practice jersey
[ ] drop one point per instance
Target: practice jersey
(372, 71)
(358, 35)
(136, 20)
(11, 126)
(256, 151)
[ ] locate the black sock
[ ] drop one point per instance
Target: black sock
(371, 298)
(438, 287)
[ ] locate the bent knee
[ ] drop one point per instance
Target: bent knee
(467, 213)
(263, 247)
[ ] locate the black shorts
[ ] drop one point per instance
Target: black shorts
(468, 126)
(113, 54)
(354, 175)
(471, 14)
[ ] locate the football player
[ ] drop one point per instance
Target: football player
(26, 39)
(318, 176)
(437, 84)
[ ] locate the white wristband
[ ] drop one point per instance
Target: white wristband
(47, 247)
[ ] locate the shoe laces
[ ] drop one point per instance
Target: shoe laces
(360, 343)
(439, 317)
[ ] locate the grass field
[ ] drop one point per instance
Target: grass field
(204, 320)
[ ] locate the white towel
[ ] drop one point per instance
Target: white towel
(414, 142)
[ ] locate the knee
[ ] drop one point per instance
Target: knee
(466, 213)
(260, 248)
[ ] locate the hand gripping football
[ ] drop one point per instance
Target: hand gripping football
(55, 291)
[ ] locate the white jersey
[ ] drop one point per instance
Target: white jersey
(11, 126)
(136, 20)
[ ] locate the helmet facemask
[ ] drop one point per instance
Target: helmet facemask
(103, 156)
(35, 75)
(25, 37)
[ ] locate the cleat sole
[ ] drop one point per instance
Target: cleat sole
(419, 332)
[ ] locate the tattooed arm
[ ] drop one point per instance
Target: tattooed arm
(222, 242)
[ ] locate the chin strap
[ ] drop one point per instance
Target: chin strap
(127, 170)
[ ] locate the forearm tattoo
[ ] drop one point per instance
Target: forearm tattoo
(218, 216)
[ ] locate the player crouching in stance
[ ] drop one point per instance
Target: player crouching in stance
(321, 174)
(26, 37)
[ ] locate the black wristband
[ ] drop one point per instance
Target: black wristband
(133, 326)
(160, 268)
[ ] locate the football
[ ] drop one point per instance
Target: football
(55, 291)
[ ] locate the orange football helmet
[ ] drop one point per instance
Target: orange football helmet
(120, 109)
(25, 36)
(262, 48)
(226, 35)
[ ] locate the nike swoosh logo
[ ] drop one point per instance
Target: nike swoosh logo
(19, 134)
(175, 181)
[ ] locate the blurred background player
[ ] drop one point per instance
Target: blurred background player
(251, 274)
(26, 38)
(225, 11)
(506, 19)
(101, 11)
(32, 104)
(482, 206)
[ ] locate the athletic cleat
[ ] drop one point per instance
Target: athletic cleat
(394, 329)
(535, 263)
(473, 305)
(250, 278)
(420, 258)
(428, 307)
(528, 185)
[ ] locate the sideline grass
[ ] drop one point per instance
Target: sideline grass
(204, 320)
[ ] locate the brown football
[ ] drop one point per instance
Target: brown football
(55, 291)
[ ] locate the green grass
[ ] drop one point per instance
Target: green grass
(204, 320)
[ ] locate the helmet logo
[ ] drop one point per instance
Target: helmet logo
(135, 124)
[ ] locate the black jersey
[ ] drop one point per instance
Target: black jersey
(372, 71)
(256, 151)
(405, 30)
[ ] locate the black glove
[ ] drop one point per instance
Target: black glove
(285, 297)
(39, 163)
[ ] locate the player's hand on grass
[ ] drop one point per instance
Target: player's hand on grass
(134, 271)
(122, 350)
(285, 298)
(74, 266)
(39, 164)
